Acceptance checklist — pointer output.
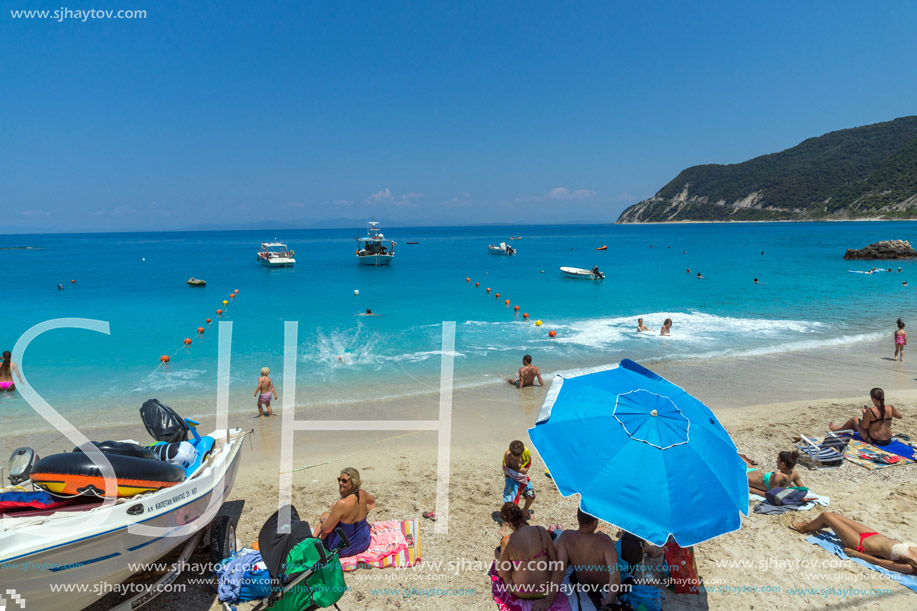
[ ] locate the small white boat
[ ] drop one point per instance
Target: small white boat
(375, 249)
(501, 249)
(275, 254)
(46, 554)
(584, 274)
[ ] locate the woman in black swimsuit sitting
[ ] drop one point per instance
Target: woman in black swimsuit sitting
(875, 424)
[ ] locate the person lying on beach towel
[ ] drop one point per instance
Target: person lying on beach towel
(860, 541)
(875, 425)
(786, 475)
(349, 513)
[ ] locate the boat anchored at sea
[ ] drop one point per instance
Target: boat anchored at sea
(375, 249)
(276, 254)
(583, 274)
(501, 249)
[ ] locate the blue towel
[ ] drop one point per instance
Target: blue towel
(895, 447)
(833, 544)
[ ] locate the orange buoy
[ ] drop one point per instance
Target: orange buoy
(498, 296)
(477, 284)
(515, 308)
(506, 302)
(488, 290)
(237, 291)
(219, 312)
(200, 329)
(232, 295)
(164, 358)
(552, 333)
(467, 279)
(602, 248)
(525, 315)
(187, 341)
(73, 282)
(209, 321)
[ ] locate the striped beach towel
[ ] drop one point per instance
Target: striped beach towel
(852, 454)
(393, 543)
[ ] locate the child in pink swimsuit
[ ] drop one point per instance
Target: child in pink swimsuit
(900, 341)
(7, 368)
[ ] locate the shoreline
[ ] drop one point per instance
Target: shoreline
(400, 469)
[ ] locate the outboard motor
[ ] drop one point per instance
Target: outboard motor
(21, 463)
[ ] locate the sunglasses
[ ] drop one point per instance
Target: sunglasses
(343, 480)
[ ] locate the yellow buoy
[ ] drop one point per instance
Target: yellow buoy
(537, 323)
(225, 302)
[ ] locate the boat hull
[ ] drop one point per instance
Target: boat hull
(275, 262)
(75, 570)
(580, 274)
(375, 260)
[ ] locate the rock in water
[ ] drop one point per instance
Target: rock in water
(886, 249)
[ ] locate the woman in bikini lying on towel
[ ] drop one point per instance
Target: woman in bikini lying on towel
(786, 475)
(861, 542)
(875, 426)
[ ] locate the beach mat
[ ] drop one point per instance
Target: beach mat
(895, 447)
(856, 446)
(832, 543)
(393, 543)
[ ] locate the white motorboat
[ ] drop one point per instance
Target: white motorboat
(501, 249)
(583, 274)
(275, 254)
(68, 558)
(375, 249)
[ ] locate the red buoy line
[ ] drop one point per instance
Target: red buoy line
(525, 315)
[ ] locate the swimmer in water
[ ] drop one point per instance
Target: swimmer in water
(756, 281)
(666, 327)
(699, 277)
(640, 326)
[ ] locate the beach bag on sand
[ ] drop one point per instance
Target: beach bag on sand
(682, 567)
(649, 597)
(162, 422)
(785, 496)
(323, 588)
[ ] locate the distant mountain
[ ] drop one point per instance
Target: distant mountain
(863, 172)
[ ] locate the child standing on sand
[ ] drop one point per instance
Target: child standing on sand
(516, 462)
(900, 341)
(266, 388)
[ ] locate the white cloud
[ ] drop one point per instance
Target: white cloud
(565, 193)
(385, 195)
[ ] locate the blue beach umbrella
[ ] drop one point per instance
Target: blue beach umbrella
(643, 455)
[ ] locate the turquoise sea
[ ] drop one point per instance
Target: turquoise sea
(806, 298)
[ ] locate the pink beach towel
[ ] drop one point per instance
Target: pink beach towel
(392, 543)
(506, 601)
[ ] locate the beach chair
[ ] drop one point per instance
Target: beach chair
(829, 454)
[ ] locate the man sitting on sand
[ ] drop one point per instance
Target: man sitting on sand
(516, 462)
(594, 559)
(266, 388)
(527, 374)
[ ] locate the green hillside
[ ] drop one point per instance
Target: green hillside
(864, 172)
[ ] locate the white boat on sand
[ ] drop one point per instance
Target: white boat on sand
(70, 557)
(583, 274)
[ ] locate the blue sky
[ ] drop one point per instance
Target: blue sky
(423, 113)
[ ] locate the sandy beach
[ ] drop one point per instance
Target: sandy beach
(763, 402)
